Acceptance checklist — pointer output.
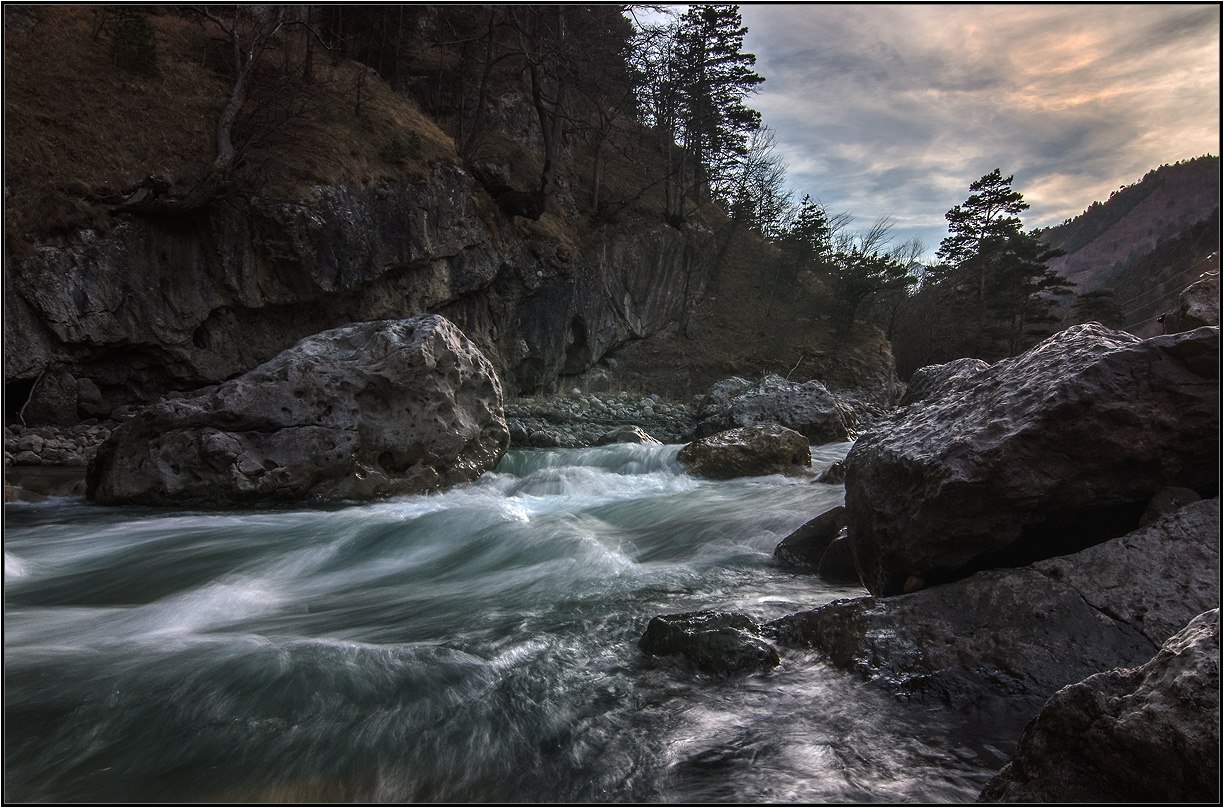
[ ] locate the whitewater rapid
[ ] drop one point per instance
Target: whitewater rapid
(478, 644)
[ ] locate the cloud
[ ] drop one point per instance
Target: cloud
(885, 110)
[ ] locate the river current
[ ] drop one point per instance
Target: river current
(478, 645)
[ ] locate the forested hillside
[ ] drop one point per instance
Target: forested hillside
(1130, 255)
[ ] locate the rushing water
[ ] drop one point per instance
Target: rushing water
(474, 645)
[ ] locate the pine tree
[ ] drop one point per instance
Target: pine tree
(713, 76)
(809, 240)
(994, 282)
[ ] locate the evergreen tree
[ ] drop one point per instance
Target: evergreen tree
(809, 240)
(711, 76)
(997, 292)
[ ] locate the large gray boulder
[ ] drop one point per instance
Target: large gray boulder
(1149, 734)
(995, 646)
(1198, 305)
(1042, 454)
(362, 411)
(747, 452)
(809, 408)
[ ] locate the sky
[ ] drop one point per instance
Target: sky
(893, 110)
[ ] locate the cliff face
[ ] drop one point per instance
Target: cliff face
(342, 214)
(159, 305)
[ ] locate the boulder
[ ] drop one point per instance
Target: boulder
(718, 643)
(1149, 734)
(747, 452)
(995, 646)
(1198, 305)
(53, 400)
(362, 411)
(1043, 454)
(720, 395)
(934, 381)
(805, 546)
(808, 408)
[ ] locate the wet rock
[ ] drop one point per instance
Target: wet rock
(834, 474)
(1041, 455)
(806, 545)
(358, 412)
(747, 452)
(837, 563)
(718, 643)
(625, 434)
(1155, 578)
(808, 408)
(585, 420)
(1149, 734)
(934, 381)
(1197, 306)
(994, 646)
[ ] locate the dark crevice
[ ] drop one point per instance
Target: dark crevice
(1058, 535)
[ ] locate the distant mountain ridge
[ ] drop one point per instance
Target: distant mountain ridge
(1114, 235)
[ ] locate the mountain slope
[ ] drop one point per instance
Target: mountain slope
(1110, 236)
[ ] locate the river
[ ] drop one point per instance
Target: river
(478, 644)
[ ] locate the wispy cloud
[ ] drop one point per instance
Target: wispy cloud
(892, 110)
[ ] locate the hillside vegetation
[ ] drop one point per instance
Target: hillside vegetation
(1118, 232)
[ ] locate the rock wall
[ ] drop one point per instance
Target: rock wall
(177, 304)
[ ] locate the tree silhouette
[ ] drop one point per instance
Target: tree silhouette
(996, 291)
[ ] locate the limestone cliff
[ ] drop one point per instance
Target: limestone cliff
(158, 305)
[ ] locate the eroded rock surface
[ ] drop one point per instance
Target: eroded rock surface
(933, 381)
(1042, 454)
(357, 412)
(1149, 734)
(747, 452)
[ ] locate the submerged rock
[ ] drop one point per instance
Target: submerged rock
(1149, 734)
(363, 411)
(718, 643)
(747, 452)
(1040, 455)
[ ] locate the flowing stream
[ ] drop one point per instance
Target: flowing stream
(480, 645)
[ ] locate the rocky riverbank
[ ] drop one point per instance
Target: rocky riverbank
(1048, 520)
